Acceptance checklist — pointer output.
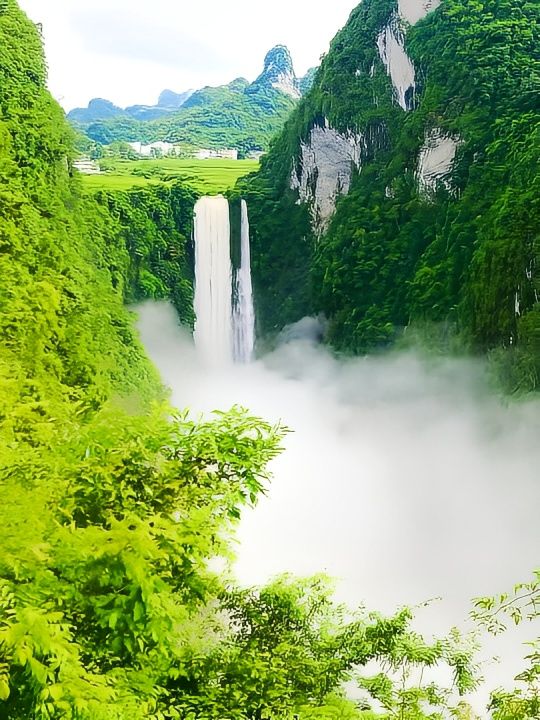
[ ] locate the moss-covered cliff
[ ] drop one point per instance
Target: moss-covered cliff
(404, 189)
(67, 262)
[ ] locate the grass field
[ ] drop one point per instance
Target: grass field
(207, 176)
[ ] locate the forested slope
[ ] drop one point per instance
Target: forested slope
(240, 115)
(112, 505)
(95, 572)
(423, 134)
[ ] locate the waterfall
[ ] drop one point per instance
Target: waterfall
(225, 323)
(243, 313)
(213, 279)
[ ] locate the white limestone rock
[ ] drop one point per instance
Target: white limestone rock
(324, 171)
(391, 46)
(287, 84)
(436, 161)
(414, 10)
(279, 73)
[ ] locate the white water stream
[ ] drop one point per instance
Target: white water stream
(403, 479)
(213, 277)
(243, 313)
(225, 324)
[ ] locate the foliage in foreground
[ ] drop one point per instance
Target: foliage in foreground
(110, 608)
(113, 512)
(106, 536)
(521, 605)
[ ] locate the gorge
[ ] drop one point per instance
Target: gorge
(395, 474)
(384, 431)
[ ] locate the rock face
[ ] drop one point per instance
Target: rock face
(391, 46)
(324, 171)
(414, 10)
(279, 73)
(436, 161)
(327, 158)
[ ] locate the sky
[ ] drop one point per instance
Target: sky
(128, 51)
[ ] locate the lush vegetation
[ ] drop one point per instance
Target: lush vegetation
(151, 230)
(463, 262)
(114, 507)
(520, 605)
(207, 177)
(238, 115)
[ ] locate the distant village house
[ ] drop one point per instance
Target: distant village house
(224, 154)
(156, 149)
(86, 166)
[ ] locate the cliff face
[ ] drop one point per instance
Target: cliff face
(403, 190)
(279, 73)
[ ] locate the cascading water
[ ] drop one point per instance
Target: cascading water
(225, 321)
(243, 313)
(213, 278)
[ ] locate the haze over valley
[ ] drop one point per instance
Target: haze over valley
(270, 361)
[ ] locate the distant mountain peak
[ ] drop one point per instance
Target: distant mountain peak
(170, 99)
(305, 83)
(239, 84)
(98, 109)
(279, 72)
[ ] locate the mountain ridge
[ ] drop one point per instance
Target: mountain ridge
(271, 95)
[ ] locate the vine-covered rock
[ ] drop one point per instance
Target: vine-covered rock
(404, 189)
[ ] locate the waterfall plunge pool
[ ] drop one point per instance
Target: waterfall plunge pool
(402, 479)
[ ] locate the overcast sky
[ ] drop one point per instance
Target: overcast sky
(129, 50)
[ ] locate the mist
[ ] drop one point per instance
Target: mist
(404, 478)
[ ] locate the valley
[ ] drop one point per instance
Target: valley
(269, 427)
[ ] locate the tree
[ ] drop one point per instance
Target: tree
(493, 613)
(105, 588)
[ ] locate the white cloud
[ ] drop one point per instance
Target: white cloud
(129, 51)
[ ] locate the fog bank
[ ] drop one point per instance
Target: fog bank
(403, 478)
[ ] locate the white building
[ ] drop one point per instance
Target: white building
(157, 148)
(87, 166)
(224, 154)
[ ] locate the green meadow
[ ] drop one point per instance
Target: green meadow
(206, 176)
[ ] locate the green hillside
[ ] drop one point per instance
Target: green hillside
(239, 115)
(455, 256)
(115, 506)
(229, 119)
